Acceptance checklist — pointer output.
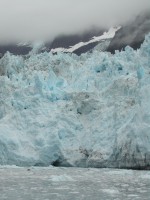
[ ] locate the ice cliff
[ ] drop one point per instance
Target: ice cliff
(65, 110)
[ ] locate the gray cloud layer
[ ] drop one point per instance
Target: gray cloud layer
(24, 20)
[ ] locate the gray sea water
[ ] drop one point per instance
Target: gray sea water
(73, 184)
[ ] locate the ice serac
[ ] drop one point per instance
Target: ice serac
(66, 110)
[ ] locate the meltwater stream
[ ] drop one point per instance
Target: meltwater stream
(73, 184)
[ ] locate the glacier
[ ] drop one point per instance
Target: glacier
(91, 110)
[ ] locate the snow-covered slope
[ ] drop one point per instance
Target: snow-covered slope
(106, 36)
(65, 41)
(89, 111)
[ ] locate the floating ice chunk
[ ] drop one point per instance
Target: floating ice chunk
(61, 178)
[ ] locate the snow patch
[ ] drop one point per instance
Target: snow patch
(106, 35)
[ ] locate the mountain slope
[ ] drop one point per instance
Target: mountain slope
(133, 34)
(88, 45)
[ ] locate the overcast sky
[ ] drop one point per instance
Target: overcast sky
(26, 20)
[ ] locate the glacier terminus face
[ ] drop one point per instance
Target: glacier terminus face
(91, 110)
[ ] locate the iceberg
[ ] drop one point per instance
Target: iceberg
(91, 110)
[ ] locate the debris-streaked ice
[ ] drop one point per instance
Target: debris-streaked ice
(65, 110)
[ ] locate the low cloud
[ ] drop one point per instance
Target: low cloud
(26, 20)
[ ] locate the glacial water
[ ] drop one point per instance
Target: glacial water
(53, 183)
